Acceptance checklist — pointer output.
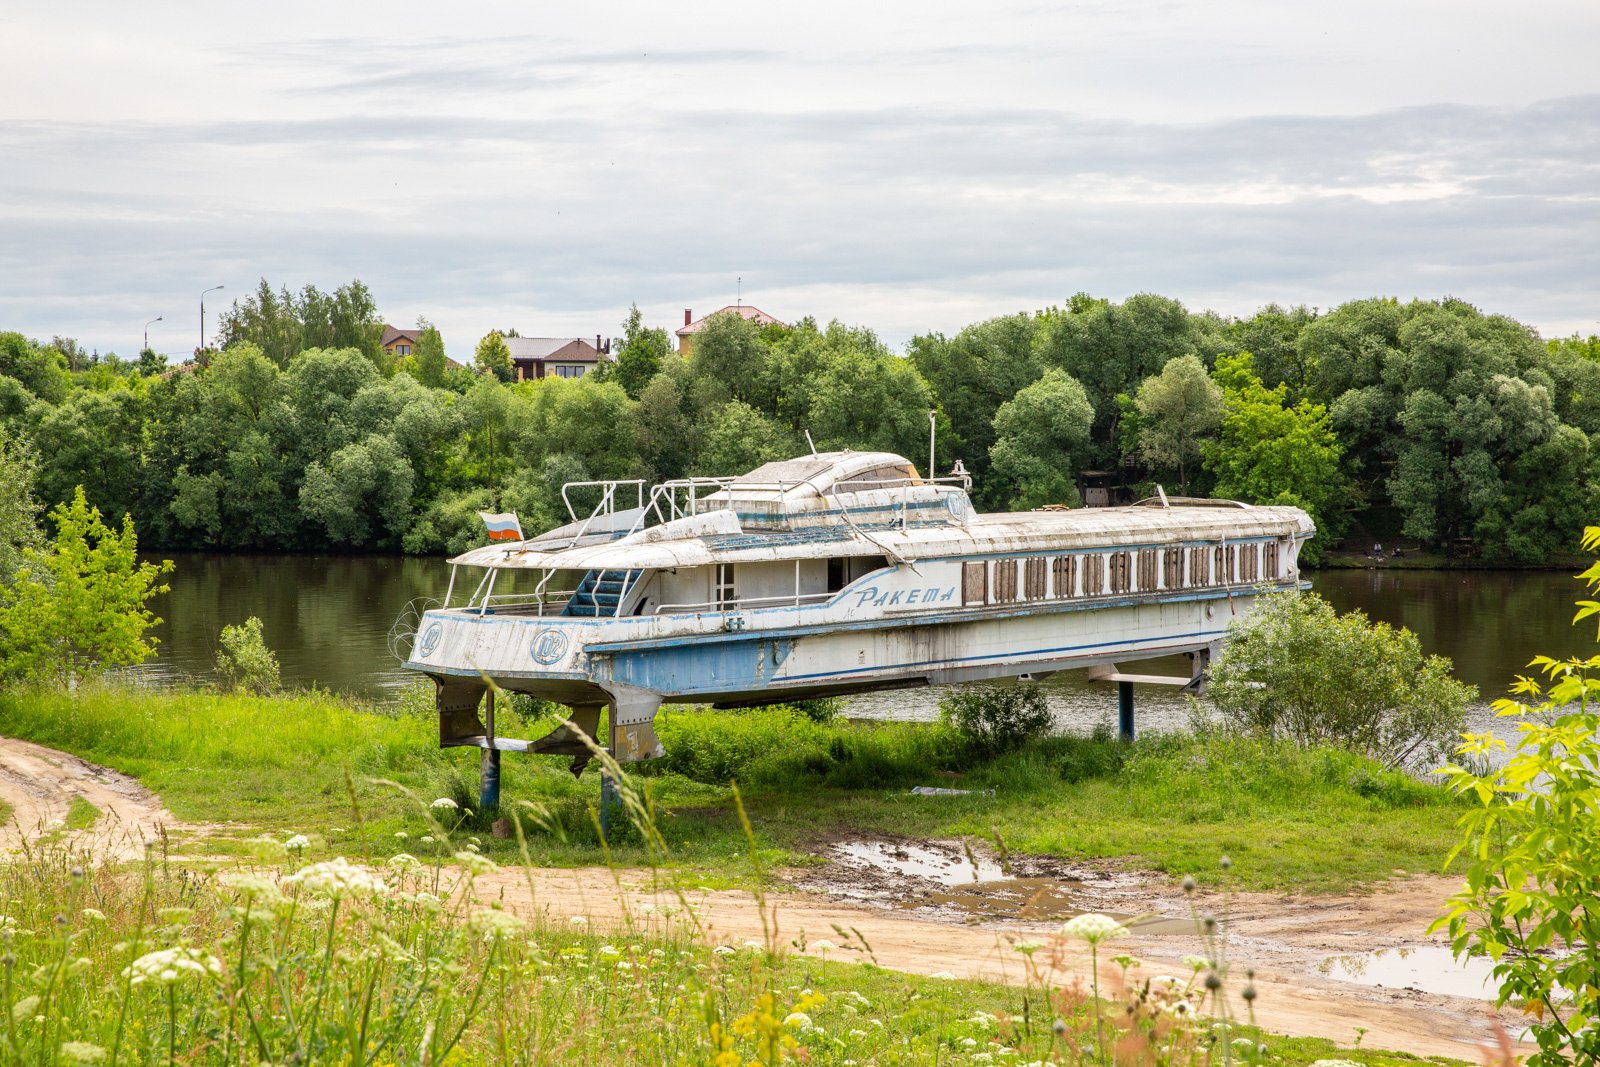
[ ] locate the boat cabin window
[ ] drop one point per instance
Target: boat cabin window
(1172, 564)
(1273, 566)
(1249, 562)
(1094, 575)
(974, 583)
(1034, 578)
(1121, 571)
(836, 575)
(1199, 566)
(1064, 575)
(860, 566)
(1224, 564)
(884, 477)
(1005, 581)
(724, 594)
(1147, 569)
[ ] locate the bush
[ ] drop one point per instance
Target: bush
(996, 719)
(244, 662)
(1296, 669)
(1532, 843)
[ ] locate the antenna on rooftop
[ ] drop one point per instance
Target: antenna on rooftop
(739, 296)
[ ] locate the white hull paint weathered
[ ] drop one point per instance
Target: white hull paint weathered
(773, 588)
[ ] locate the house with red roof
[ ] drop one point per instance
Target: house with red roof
(692, 325)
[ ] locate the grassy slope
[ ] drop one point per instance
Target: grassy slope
(1290, 820)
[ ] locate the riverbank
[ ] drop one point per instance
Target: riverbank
(834, 915)
(1291, 820)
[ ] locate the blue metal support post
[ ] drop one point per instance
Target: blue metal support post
(1125, 710)
(489, 763)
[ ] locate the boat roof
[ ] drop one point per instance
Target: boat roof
(717, 537)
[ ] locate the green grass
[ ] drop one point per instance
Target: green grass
(81, 814)
(249, 967)
(1314, 821)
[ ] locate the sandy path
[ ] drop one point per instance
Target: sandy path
(39, 784)
(1281, 937)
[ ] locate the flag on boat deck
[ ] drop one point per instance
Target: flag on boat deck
(502, 527)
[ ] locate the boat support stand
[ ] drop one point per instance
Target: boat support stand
(1200, 664)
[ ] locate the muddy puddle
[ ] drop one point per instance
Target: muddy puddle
(965, 884)
(1425, 968)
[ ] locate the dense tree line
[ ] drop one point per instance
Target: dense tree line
(1430, 420)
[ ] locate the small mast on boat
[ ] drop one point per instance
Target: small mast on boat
(827, 574)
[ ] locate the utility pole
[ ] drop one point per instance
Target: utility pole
(202, 347)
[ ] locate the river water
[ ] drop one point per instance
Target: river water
(328, 619)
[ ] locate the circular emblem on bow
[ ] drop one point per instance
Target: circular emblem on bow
(549, 646)
(430, 639)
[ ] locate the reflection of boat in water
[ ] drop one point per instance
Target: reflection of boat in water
(824, 575)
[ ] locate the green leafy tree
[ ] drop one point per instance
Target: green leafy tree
(870, 401)
(243, 659)
(1271, 453)
(19, 510)
(739, 439)
(362, 494)
(728, 350)
(267, 320)
(666, 429)
(1110, 348)
(640, 354)
(1295, 668)
(429, 355)
(41, 371)
(1041, 440)
(493, 356)
(1180, 408)
(94, 439)
(1531, 842)
(972, 374)
(81, 605)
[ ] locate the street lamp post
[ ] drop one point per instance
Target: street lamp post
(213, 289)
(157, 319)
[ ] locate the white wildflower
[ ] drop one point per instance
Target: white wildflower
(297, 842)
(170, 964)
(1028, 948)
(969, 1042)
(983, 1057)
(255, 888)
(725, 950)
(610, 950)
(1199, 963)
(624, 965)
(472, 846)
(93, 915)
(579, 920)
(475, 864)
(799, 1020)
(493, 924)
(82, 1053)
(857, 1033)
(944, 976)
(401, 835)
(824, 945)
(427, 902)
(647, 908)
(445, 803)
(425, 839)
(754, 945)
(1093, 928)
(404, 861)
(338, 878)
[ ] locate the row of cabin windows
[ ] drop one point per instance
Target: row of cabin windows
(1005, 581)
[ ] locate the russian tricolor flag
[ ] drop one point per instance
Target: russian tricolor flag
(502, 527)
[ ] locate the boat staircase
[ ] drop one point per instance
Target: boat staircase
(600, 593)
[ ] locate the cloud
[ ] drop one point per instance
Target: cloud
(903, 218)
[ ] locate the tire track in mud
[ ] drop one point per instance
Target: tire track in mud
(39, 784)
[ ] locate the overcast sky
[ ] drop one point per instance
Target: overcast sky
(907, 166)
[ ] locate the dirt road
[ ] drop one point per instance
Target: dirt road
(39, 784)
(919, 924)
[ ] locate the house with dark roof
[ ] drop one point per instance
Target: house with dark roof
(692, 325)
(398, 342)
(561, 357)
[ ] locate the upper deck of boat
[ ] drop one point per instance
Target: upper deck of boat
(719, 537)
